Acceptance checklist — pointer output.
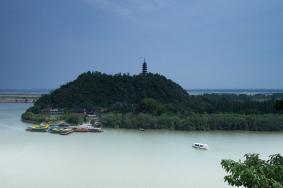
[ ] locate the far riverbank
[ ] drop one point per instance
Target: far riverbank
(8, 97)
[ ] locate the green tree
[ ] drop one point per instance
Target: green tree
(254, 172)
(279, 105)
(152, 106)
(74, 119)
(35, 118)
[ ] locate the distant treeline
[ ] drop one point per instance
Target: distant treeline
(209, 103)
(199, 122)
(232, 103)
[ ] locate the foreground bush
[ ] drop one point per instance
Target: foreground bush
(254, 172)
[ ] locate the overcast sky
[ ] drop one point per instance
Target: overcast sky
(197, 43)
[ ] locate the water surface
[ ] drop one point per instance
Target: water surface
(119, 158)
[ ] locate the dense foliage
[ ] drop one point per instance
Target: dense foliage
(36, 118)
(201, 122)
(93, 89)
(74, 118)
(151, 106)
(232, 103)
(279, 105)
(254, 172)
(71, 118)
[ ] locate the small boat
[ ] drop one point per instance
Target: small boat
(64, 125)
(53, 126)
(66, 131)
(95, 129)
(141, 129)
(200, 146)
(43, 126)
(81, 129)
(38, 128)
(54, 130)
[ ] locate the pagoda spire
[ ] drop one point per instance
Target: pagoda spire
(144, 67)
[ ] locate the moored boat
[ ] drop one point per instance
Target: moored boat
(95, 129)
(80, 129)
(38, 128)
(66, 131)
(54, 130)
(200, 146)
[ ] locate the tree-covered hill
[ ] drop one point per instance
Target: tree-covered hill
(152, 101)
(148, 93)
(94, 89)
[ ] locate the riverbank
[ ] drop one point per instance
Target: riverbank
(191, 122)
(199, 122)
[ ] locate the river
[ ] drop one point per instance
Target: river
(120, 158)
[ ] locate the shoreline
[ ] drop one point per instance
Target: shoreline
(175, 130)
(194, 122)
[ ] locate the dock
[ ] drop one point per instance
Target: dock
(64, 129)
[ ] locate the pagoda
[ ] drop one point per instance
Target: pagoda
(144, 67)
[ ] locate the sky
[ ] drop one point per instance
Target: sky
(224, 44)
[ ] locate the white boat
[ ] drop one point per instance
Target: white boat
(200, 146)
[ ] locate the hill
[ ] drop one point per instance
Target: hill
(94, 89)
(151, 101)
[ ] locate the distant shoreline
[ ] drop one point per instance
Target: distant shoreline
(196, 91)
(19, 97)
(234, 91)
